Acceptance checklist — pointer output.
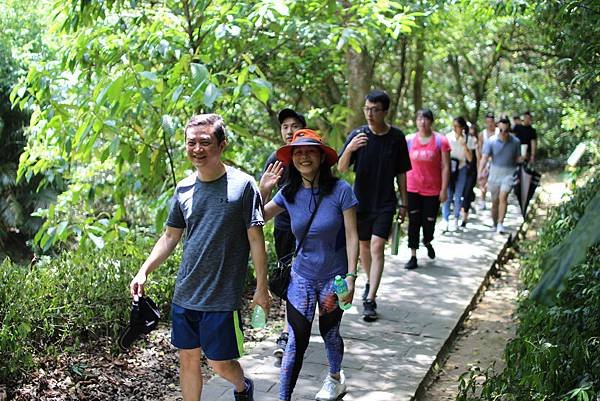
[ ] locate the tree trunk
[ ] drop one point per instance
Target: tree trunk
(360, 77)
(397, 100)
(419, 72)
(460, 93)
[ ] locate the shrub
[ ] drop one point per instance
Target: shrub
(62, 301)
(556, 352)
(77, 296)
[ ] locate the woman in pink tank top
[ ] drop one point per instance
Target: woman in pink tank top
(427, 183)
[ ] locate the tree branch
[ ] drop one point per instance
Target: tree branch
(453, 61)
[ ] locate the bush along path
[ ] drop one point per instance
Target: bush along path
(555, 354)
(96, 370)
(490, 326)
(60, 316)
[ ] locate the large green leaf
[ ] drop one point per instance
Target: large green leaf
(569, 252)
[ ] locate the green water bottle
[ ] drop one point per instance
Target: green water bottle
(396, 235)
(341, 289)
(259, 318)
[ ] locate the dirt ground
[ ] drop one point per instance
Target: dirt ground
(490, 325)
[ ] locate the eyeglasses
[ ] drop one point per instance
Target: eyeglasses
(369, 110)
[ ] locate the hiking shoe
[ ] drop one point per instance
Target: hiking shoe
(430, 252)
(366, 292)
(281, 344)
(412, 263)
(248, 393)
(332, 389)
(369, 311)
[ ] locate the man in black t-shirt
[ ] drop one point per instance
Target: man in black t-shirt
(528, 136)
(379, 154)
(285, 242)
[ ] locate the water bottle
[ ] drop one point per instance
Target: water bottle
(341, 289)
(396, 235)
(259, 318)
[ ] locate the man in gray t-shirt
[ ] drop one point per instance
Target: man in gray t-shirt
(504, 149)
(220, 210)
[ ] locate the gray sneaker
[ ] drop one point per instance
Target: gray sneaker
(281, 344)
(369, 311)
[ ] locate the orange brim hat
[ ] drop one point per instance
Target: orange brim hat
(306, 137)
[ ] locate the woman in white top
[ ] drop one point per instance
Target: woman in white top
(461, 152)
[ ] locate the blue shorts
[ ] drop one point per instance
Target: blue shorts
(219, 334)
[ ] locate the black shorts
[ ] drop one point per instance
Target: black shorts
(369, 224)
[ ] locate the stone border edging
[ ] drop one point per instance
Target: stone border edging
(444, 351)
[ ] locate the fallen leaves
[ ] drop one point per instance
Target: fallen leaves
(99, 372)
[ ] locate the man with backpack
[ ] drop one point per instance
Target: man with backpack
(378, 154)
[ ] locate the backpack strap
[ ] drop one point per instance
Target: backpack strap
(438, 141)
(436, 137)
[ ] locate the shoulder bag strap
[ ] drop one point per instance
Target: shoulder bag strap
(308, 226)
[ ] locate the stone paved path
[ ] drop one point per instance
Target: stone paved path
(388, 360)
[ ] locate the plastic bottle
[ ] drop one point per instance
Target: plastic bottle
(341, 289)
(259, 318)
(396, 235)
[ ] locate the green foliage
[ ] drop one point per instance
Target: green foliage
(21, 24)
(109, 106)
(572, 32)
(461, 71)
(570, 251)
(556, 353)
(54, 305)
(551, 69)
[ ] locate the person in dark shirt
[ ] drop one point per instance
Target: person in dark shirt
(528, 136)
(516, 121)
(285, 243)
(379, 154)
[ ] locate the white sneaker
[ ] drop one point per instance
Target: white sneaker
(500, 229)
(455, 225)
(332, 389)
(481, 204)
(445, 226)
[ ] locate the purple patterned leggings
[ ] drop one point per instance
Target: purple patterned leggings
(303, 296)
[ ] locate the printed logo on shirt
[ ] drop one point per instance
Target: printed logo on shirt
(423, 155)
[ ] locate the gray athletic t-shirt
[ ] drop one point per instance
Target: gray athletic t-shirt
(216, 216)
(504, 154)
